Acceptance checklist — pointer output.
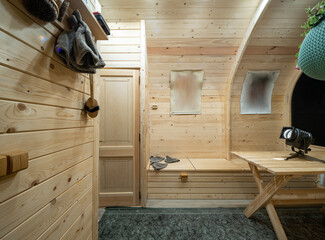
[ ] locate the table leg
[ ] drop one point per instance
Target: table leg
(278, 229)
(266, 194)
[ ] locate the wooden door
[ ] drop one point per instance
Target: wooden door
(119, 138)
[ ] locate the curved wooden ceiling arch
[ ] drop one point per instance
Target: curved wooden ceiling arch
(240, 53)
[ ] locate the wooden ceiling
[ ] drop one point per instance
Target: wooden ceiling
(125, 10)
(210, 23)
(176, 9)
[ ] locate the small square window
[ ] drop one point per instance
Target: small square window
(257, 90)
(185, 91)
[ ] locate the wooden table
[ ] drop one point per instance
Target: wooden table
(283, 170)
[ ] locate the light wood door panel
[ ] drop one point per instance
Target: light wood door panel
(117, 111)
(116, 168)
(119, 138)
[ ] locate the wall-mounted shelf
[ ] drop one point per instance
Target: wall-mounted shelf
(89, 18)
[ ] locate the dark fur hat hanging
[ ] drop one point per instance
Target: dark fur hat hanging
(47, 10)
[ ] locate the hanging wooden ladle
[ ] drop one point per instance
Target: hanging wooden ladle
(91, 106)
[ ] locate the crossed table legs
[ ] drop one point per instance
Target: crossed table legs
(265, 197)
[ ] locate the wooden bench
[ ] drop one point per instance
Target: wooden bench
(214, 179)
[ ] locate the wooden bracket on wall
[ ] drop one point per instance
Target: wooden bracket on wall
(184, 176)
(13, 162)
(3, 165)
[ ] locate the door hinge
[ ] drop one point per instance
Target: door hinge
(139, 195)
(139, 137)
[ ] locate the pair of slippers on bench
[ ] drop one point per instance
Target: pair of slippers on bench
(155, 162)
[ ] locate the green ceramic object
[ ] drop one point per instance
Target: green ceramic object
(311, 58)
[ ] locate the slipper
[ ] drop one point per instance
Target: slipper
(156, 159)
(158, 166)
(171, 160)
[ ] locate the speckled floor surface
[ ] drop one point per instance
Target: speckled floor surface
(207, 223)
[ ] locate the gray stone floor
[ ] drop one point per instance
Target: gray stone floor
(207, 224)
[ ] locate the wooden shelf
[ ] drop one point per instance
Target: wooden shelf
(89, 18)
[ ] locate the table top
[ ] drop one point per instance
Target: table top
(274, 162)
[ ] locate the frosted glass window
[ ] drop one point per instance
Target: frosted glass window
(257, 91)
(185, 91)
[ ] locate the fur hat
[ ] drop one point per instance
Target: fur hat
(47, 10)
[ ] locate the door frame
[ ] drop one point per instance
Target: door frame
(135, 73)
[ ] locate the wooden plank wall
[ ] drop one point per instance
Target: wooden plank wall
(207, 42)
(122, 49)
(213, 185)
(40, 112)
(272, 47)
(205, 35)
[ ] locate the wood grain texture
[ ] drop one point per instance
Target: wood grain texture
(266, 194)
(17, 55)
(287, 26)
(43, 168)
(26, 88)
(41, 113)
(144, 116)
(45, 142)
(45, 220)
(227, 181)
(94, 232)
(241, 51)
(22, 117)
(122, 50)
(81, 228)
(67, 220)
(17, 209)
(269, 205)
(24, 28)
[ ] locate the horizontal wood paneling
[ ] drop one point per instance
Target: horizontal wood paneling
(176, 4)
(25, 28)
(40, 143)
(54, 213)
(18, 209)
(81, 228)
(77, 211)
(206, 35)
(212, 185)
(43, 168)
(26, 88)
(178, 13)
(191, 135)
(18, 55)
(41, 103)
(122, 50)
(21, 117)
(273, 47)
(191, 42)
